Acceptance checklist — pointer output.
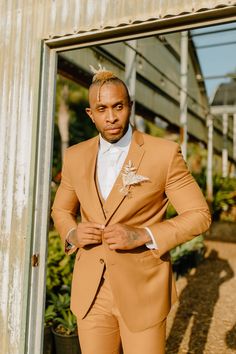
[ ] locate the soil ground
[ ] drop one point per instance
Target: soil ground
(204, 318)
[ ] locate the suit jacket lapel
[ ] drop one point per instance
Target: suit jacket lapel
(91, 191)
(116, 197)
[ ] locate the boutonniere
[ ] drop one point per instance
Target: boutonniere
(130, 178)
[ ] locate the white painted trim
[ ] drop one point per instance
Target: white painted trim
(37, 284)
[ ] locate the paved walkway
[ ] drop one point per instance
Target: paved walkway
(204, 319)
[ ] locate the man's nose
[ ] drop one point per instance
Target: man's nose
(111, 116)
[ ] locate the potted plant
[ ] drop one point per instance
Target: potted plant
(65, 334)
(188, 255)
(65, 326)
(48, 343)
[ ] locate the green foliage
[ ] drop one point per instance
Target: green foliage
(58, 284)
(59, 266)
(153, 129)
(197, 243)
(224, 198)
(201, 179)
(66, 323)
(49, 315)
(171, 212)
(58, 314)
(57, 159)
(60, 301)
(80, 125)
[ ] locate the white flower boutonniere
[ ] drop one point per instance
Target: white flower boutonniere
(130, 178)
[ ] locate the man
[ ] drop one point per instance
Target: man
(122, 180)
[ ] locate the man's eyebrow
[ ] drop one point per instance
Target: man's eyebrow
(118, 102)
(98, 105)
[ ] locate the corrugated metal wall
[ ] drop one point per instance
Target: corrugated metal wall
(24, 23)
(68, 17)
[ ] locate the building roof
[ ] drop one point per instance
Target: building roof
(225, 94)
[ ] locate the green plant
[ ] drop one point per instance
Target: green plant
(197, 243)
(224, 198)
(58, 280)
(66, 323)
(59, 266)
(170, 212)
(60, 301)
(58, 314)
(49, 315)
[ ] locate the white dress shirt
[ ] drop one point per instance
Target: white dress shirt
(110, 160)
(111, 157)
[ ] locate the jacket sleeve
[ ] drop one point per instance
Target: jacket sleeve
(65, 206)
(185, 195)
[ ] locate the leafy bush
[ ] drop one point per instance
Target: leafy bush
(196, 244)
(188, 255)
(64, 321)
(59, 266)
(170, 212)
(58, 282)
(224, 196)
(49, 315)
(224, 199)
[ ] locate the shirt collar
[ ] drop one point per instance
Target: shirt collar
(121, 144)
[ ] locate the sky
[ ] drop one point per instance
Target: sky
(219, 60)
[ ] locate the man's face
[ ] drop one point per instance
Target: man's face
(110, 110)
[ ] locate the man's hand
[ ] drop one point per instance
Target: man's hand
(87, 233)
(124, 237)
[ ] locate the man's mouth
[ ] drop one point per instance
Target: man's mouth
(113, 130)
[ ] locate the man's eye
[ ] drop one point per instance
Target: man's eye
(101, 109)
(119, 107)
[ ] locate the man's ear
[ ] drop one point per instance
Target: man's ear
(89, 113)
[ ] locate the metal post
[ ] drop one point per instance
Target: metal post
(183, 92)
(225, 145)
(234, 145)
(210, 159)
(130, 73)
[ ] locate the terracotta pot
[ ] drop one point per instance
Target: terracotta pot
(65, 344)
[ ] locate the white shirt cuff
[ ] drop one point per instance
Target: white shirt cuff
(152, 245)
(68, 245)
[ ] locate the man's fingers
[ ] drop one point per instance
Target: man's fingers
(92, 240)
(108, 235)
(110, 228)
(89, 242)
(93, 225)
(92, 231)
(111, 240)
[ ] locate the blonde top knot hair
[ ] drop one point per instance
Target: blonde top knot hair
(101, 74)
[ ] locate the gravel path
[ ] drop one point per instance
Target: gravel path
(204, 319)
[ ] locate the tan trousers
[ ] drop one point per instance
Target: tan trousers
(103, 330)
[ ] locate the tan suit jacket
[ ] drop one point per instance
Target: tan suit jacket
(141, 279)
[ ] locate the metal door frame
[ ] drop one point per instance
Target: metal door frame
(35, 292)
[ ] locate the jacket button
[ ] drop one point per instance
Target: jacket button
(101, 260)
